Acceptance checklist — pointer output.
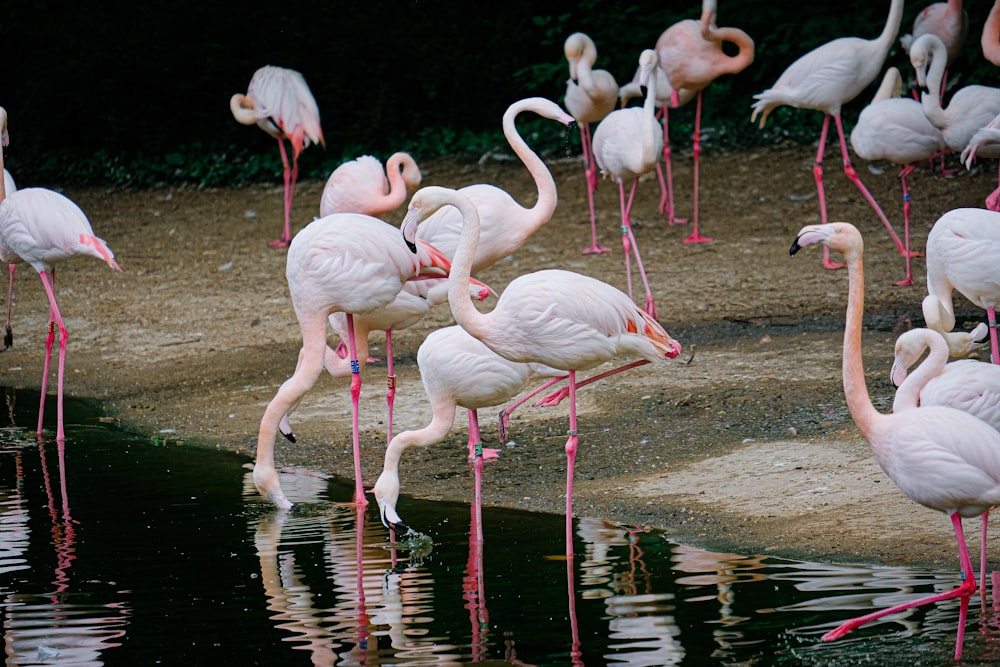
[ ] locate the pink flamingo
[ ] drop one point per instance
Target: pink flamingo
(963, 249)
(664, 99)
(457, 370)
(949, 22)
(279, 101)
(42, 228)
(895, 128)
(564, 320)
(591, 94)
(506, 224)
(990, 39)
(985, 143)
(691, 53)
(941, 458)
(362, 186)
(967, 385)
(825, 79)
(970, 108)
(941, 320)
(627, 145)
(350, 263)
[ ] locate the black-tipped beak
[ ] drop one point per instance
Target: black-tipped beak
(290, 437)
(795, 247)
(412, 247)
(573, 125)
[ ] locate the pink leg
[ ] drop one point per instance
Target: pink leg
(667, 184)
(630, 246)
(509, 410)
(558, 395)
(695, 236)
(991, 316)
(575, 653)
(992, 201)
(965, 591)
(571, 446)
(359, 492)
(8, 336)
(982, 560)
(55, 319)
(476, 450)
(853, 175)
(390, 380)
(590, 172)
(473, 584)
(821, 191)
(908, 280)
(286, 234)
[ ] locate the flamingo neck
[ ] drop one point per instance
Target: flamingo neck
(745, 49)
(242, 108)
(891, 28)
(990, 40)
(908, 393)
(855, 389)
(459, 299)
(397, 183)
(3, 132)
(649, 120)
(545, 185)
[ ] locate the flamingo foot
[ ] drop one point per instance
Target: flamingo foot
(554, 398)
(905, 282)
(278, 243)
(827, 264)
(489, 454)
(697, 238)
(672, 220)
(595, 249)
(993, 201)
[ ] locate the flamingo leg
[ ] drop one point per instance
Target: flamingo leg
(288, 175)
(55, 320)
(991, 316)
(590, 172)
(359, 492)
(571, 446)
(667, 180)
(993, 200)
(965, 591)
(8, 336)
(390, 380)
(558, 395)
(505, 414)
(853, 175)
(474, 590)
(821, 191)
(982, 559)
(695, 236)
(630, 246)
(476, 449)
(908, 280)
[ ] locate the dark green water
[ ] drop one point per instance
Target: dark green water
(118, 550)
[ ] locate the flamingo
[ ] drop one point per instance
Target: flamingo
(457, 370)
(990, 39)
(627, 144)
(591, 94)
(506, 224)
(941, 458)
(279, 101)
(895, 128)
(691, 54)
(825, 79)
(664, 99)
(362, 186)
(970, 107)
(8, 336)
(949, 22)
(345, 262)
(967, 385)
(985, 143)
(564, 320)
(42, 228)
(963, 248)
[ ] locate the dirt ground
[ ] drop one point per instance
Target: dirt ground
(743, 442)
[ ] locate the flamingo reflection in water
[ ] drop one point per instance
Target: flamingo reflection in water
(47, 626)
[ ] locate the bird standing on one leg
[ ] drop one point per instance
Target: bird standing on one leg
(279, 101)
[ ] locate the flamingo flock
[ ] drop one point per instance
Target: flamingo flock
(352, 271)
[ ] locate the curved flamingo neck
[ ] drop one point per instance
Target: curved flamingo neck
(855, 389)
(908, 393)
(465, 312)
(545, 185)
(891, 29)
(931, 98)
(242, 108)
(745, 45)
(3, 132)
(397, 183)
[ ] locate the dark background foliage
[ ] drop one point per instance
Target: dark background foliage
(137, 93)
